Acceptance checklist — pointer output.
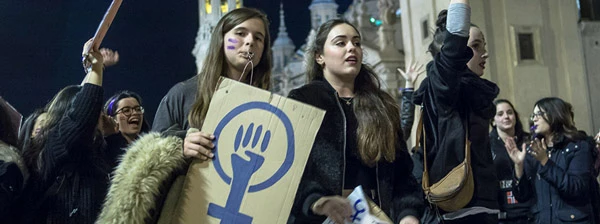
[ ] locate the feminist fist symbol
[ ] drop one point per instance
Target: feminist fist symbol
(242, 172)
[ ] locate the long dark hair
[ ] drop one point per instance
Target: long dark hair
(520, 133)
(26, 131)
(440, 33)
(377, 112)
(56, 109)
(215, 65)
(559, 115)
(110, 107)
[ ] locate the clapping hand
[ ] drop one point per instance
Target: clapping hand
(516, 155)
(539, 150)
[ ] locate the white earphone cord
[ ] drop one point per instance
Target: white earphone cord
(250, 54)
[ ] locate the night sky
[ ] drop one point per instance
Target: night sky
(41, 45)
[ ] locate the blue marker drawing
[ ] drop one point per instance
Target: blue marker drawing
(244, 169)
(358, 210)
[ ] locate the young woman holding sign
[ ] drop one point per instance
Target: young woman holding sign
(360, 140)
(239, 49)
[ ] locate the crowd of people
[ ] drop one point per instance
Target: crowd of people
(72, 158)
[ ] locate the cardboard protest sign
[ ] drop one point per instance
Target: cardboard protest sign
(10, 127)
(107, 20)
(361, 213)
(262, 144)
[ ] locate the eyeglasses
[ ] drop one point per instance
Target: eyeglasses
(537, 115)
(127, 111)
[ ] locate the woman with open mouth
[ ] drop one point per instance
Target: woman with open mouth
(124, 122)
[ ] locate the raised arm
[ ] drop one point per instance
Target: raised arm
(407, 112)
(76, 128)
(450, 64)
(93, 64)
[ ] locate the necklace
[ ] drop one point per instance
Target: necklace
(347, 100)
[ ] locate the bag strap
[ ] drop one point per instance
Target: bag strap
(421, 132)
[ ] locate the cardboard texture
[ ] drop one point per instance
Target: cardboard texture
(262, 144)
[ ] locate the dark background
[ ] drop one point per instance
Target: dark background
(41, 43)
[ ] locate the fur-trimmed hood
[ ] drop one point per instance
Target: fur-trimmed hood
(136, 187)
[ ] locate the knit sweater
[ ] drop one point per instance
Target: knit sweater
(74, 176)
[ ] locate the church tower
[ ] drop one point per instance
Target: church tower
(210, 11)
(283, 47)
(321, 11)
(283, 51)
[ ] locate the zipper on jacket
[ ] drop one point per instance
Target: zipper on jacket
(344, 166)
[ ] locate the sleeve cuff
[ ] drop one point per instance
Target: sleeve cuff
(407, 212)
(544, 169)
(308, 202)
(459, 19)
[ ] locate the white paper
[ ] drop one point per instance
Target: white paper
(360, 210)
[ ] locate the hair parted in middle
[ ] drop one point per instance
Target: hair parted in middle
(377, 113)
(215, 66)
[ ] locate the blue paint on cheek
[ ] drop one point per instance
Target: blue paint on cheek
(232, 40)
(230, 47)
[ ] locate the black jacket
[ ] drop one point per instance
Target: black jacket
(398, 191)
(562, 187)
(453, 97)
(509, 206)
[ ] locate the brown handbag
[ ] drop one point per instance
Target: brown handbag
(455, 190)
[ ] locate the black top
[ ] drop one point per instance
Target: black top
(357, 173)
(72, 154)
(400, 195)
(504, 171)
(116, 144)
(453, 97)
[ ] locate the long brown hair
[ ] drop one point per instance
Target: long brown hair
(376, 111)
(214, 65)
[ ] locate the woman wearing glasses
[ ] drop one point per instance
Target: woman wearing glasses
(125, 108)
(554, 168)
(124, 124)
